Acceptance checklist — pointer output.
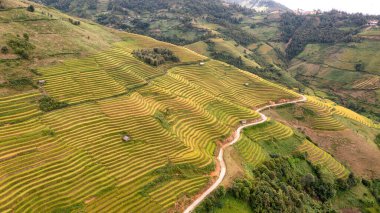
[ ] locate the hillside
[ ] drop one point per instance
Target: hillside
(95, 119)
(261, 5)
(74, 158)
(268, 44)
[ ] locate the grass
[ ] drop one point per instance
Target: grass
(232, 205)
(359, 197)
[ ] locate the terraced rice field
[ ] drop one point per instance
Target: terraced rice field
(74, 159)
(368, 84)
(319, 157)
(251, 152)
(19, 107)
(330, 107)
(269, 131)
(323, 118)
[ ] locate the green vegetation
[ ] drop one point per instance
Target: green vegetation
(359, 67)
(49, 104)
(173, 115)
(73, 159)
(155, 56)
(292, 184)
(21, 46)
(296, 28)
(377, 140)
(30, 8)
(4, 50)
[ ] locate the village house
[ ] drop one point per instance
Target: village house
(373, 23)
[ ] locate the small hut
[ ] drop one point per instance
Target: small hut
(126, 138)
(201, 63)
(243, 122)
(246, 84)
(41, 82)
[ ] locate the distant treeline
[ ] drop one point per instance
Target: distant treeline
(328, 27)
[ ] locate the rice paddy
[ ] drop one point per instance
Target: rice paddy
(75, 159)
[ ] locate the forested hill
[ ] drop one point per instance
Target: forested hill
(330, 27)
(261, 5)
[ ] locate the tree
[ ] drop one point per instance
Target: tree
(30, 8)
(26, 36)
(4, 50)
(359, 66)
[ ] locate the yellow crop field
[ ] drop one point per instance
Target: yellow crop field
(74, 158)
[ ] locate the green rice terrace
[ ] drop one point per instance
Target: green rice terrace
(93, 119)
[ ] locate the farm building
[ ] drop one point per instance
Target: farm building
(373, 22)
(126, 138)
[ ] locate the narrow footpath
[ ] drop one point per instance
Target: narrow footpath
(221, 162)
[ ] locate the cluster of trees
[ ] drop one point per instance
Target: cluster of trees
(374, 187)
(327, 27)
(80, 8)
(279, 187)
(241, 37)
(20, 46)
(49, 104)
(156, 56)
(123, 16)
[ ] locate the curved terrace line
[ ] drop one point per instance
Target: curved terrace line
(222, 163)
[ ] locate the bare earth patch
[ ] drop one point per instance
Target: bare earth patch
(234, 166)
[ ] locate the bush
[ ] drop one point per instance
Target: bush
(21, 46)
(24, 81)
(49, 104)
(30, 8)
(4, 50)
(48, 132)
(26, 36)
(359, 67)
(377, 140)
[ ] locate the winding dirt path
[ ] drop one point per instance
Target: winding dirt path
(221, 162)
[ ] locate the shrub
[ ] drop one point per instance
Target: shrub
(49, 104)
(21, 46)
(30, 8)
(359, 67)
(48, 132)
(21, 81)
(377, 140)
(4, 50)
(26, 36)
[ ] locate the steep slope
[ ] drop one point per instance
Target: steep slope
(87, 126)
(261, 5)
(74, 158)
(269, 44)
(345, 72)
